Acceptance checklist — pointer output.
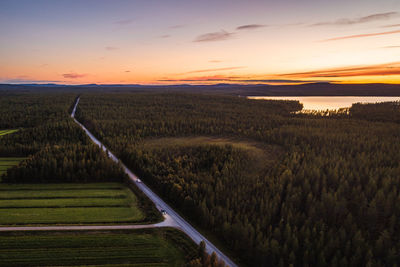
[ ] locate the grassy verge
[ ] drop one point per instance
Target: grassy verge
(147, 247)
(32, 204)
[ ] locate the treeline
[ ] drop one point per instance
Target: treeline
(331, 198)
(63, 164)
(386, 111)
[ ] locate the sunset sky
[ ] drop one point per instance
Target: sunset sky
(175, 42)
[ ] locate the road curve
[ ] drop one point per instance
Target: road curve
(168, 222)
(173, 219)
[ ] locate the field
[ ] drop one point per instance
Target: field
(31, 204)
(6, 163)
(150, 247)
(4, 132)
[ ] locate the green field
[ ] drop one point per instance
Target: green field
(68, 204)
(6, 163)
(10, 131)
(150, 247)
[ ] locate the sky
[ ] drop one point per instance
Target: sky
(199, 42)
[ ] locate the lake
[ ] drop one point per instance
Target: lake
(329, 102)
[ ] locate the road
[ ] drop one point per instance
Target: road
(168, 222)
(173, 219)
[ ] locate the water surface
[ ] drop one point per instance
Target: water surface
(329, 102)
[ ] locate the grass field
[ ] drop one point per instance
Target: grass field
(32, 204)
(6, 163)
(149, 247)
(10, 131)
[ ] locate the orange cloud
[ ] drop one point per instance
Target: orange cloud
(360, 36)
(73, 75)
(209, 70)
(373, 70)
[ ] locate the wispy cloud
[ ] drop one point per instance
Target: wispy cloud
(73, 75)
(273, 81)
(18, 80)
(214, 36)
(211, 78)
(124, 21)
(250, 27)
(371, 70)
(165, 36)
(215, 61)
(234, 79)
(391, 46)
(211, 70)
(360, 36)
(391, 26)
(365, 19)
(111, 48)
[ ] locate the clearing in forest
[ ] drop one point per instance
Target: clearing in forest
(262, 154)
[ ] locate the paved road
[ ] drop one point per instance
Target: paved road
(174, 219)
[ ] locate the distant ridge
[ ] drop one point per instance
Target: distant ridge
(309, 89)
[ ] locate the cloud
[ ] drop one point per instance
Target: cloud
(250, 27)
(214, 36)
(111, 48)
(366, 19)
(124, 21)
(215, 78)
(210, 70)
(371, 70)
(391, 26)
(165, 36)
(392, 46)
(274, 81)
(234, 79)
(18, 80)
(127, 71)
(360, 36)
(73, 75)
(215, 61)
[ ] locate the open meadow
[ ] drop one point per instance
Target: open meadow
(32, 204)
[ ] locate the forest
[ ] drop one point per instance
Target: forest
(57, 150)
(326, 195)
(50, 150)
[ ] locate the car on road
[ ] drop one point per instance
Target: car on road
(163, 212)
(138, 181)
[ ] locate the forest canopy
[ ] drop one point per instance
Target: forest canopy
(329, 197)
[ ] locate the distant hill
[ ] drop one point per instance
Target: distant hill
(311, 89)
